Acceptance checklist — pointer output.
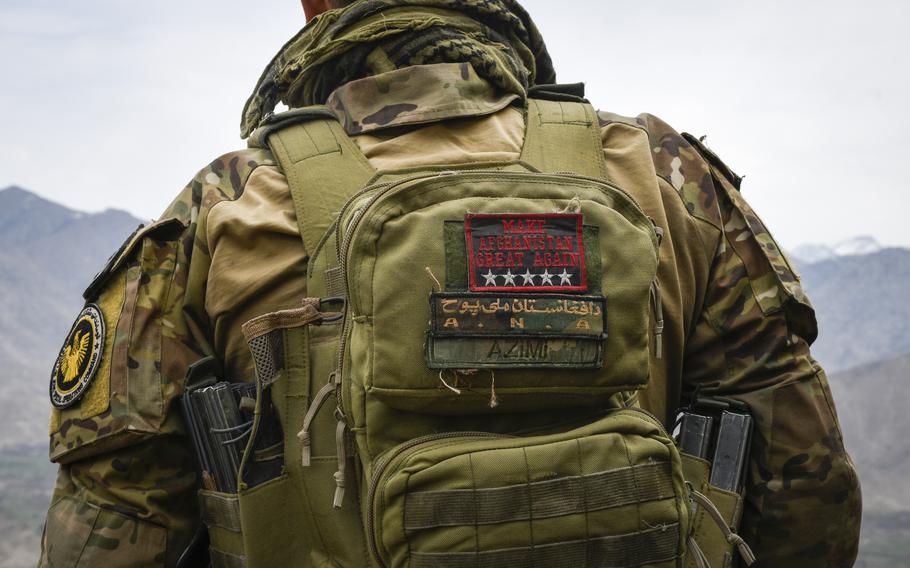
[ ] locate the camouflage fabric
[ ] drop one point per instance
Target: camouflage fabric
(360, 109)
(127, 486)
(751, 342)
(737, 324)
(497, 37)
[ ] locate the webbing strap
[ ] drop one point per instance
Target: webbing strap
(563, 136)
(538, 500)
(324, 167)
(220, 511)
(651, 546)
(221, 559)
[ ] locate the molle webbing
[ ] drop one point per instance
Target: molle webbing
(266, 346)
(324, 168)
(221, 515)
(538, 500)
(222, 512)
(221, 559)
(564, 137)
(635, 549)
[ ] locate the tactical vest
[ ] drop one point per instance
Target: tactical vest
(458, 389)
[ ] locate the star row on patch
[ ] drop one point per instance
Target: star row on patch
(527, 279)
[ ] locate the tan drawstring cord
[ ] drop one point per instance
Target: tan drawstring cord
(732, 538)
(433, 278)
(342, 454)
(447, 385)
(659, 320)
(304, 434)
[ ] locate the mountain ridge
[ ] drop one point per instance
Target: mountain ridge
(48, 254)
(879, 385)
(21, 209)
(810, 253)
(863, 307)
(45, 262)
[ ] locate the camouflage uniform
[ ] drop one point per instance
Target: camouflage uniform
(228, 249)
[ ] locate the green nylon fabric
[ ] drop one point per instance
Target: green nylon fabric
(221, 559)
(389, 397)
(655, 547)
(564, 137)
(290, 521)
(705, 531)
(220, 510)
(324, 168)
(610, 493)
(543, 499)
(497, 37)
(400, 234)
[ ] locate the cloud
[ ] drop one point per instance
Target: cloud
(116, 104)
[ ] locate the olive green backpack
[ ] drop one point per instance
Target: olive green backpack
(458, 389)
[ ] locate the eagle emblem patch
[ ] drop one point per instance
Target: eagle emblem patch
(79, 358)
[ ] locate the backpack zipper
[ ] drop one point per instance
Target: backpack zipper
(386, 460)
(343, 244)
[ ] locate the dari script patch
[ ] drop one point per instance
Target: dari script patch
(525, 252)
(488, 330)
(79, 358)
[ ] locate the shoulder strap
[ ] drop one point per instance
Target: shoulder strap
(324, 168)
(563, 136)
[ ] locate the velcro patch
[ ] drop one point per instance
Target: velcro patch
(516, 330)
(518, 314)
(525, 252)
(79, 358)
(513, 352)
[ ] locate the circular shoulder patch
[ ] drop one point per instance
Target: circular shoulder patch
(79, 358)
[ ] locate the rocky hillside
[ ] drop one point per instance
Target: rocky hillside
(872, 405)
(48, 253)
(863, 306)
(811, 253)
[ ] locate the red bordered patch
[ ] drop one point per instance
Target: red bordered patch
(526, 252)
(79, 358)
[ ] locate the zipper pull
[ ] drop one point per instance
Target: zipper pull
(731, 537)
(341, 450)
(658, 230)
(304, 434)
(658, 320)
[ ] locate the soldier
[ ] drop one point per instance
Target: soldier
(416, 83)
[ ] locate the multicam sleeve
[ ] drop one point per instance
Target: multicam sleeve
(803, 503)
(126, 488)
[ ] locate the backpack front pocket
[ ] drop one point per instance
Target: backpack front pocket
(608, 494)
(537, 287)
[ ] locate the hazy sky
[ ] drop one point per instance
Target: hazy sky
(109, 103)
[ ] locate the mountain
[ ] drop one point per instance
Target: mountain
(857, 245)
(863, 306)
(48, 253)
(811, 253)
(872, 407)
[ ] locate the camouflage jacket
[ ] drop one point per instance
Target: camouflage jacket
(228, 249)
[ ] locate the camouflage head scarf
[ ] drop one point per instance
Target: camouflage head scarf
(497, 37)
